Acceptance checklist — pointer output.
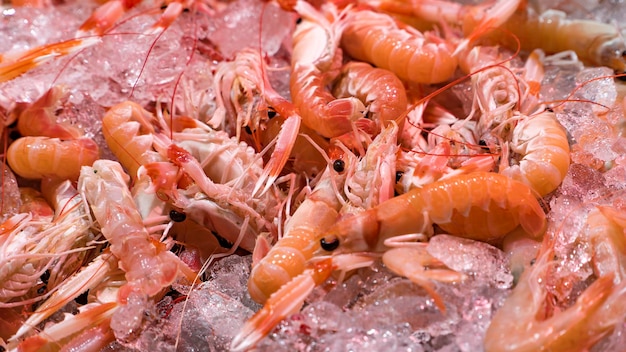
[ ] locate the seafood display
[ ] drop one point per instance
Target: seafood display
(292, 175)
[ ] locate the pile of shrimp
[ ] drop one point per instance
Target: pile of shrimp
(347, 155)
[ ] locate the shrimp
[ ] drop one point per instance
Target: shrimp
(380, 90)
(288, 257)
(480, 206)
(128, 130)
(595, 313)
(544, 151)
(595, 43)
(36, 157)
(29, 247)
(313, 62)
(413, 56)
(149, 266)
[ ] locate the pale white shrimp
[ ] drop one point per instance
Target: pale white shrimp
(149, 266)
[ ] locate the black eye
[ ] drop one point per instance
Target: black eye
(399, 176)
(329, 246)
(248, 130)
(177, 216)
(549, 109)
(339, 165)
(299, 20)
(271, 113)
(621, 76)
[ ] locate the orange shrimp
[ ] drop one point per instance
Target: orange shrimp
(481, 206)
(289, 256)
(128, 130)
(541, 142)
(380, 90)
(313, 62)
(413, 56)
(596, 43)
(37, 157)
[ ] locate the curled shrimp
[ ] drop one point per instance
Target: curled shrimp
(380, 90)
(413, 56)
(481, 206)
(37, 157)
(149, 266)
(315, 58)
(541, 143)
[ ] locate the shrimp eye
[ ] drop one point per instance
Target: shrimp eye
(248, 129)
(399, 176)
(271, 113)
(329, 246)
(549, 109)
(339, 165)
(621, 76)
(177, 216)
(299, 20)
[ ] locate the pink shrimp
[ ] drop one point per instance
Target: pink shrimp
(148, 265)
(36, 157)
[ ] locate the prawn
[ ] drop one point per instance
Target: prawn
(480, 206)
(37, 157)
(29, 247)
(150, 267)
(381, 92)
(358, 180)
(288, 257)
(542, 145)
(596, 311)
(313, 62)
(596, 43)
(413, 56)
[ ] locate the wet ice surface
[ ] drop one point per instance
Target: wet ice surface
(371, 310)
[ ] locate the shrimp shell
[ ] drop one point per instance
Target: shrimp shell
(545, 155)
(37, 157)
(481, 206)
(410, 54)
(380, 90)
